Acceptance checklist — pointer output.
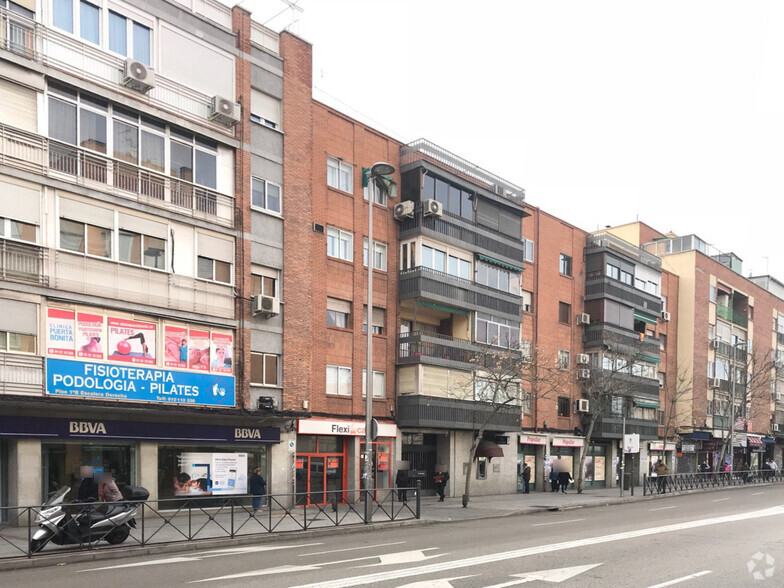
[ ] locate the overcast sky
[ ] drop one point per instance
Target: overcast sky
(605, 112)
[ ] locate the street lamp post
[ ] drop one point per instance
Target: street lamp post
(378, 169)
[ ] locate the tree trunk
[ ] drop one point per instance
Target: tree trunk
(467, 492)
(583, 453)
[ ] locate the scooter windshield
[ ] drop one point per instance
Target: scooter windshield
(58, 497)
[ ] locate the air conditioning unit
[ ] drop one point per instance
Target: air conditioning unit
(777, 428)
(583, 358)
(137, 76)
(498, 189)
(433, 208)
(404, 210)
(267, 403)
(583, 405)
(224, 111)
(583, 318)
(714, 382)
(714, 344)
(665, 315)
(266, 305)
(583, 374)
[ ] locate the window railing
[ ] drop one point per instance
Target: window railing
(264, 37)
(22, 262)
(727, 313)
(59, 50)
(33, 152)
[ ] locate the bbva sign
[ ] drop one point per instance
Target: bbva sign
(91, 427)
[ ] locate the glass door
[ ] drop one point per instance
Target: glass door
(317, 481)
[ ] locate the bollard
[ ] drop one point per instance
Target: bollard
(418, 492)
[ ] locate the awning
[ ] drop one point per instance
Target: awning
(650, 359)
(647, 404)
(442, 307)
(754, 440)
(488, 449)
(502, 264)
(646, 318)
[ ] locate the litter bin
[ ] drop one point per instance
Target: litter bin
(627, 481)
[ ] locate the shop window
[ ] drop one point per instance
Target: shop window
(63, 463)
(563, 406)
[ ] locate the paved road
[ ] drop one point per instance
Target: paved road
(713, 539)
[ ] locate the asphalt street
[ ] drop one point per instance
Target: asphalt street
(727, 538)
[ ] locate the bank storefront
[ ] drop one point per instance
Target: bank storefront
(170, 459)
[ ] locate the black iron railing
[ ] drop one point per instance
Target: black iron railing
(679, 482)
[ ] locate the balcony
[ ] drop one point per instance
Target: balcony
(125, 283)
(734, 316)
(422, 282)
(21, 374)
(419, 347)
(728, 350)
(41, 155)
(22, 262)
(415, 410)
(605, 287)
(464, 233)
(598, 334)
(610, 427)
(58, 50)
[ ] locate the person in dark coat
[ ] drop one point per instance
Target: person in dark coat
(401, 481)
(441, 478)
(258, 487)
(88, 489)
(553, 480)
(564, 479)
(526, 478)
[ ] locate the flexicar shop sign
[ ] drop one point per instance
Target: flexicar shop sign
(349, 428)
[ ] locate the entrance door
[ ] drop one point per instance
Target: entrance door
(420, 450)
(317, 481)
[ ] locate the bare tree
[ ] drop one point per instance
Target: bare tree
(542, 378)
(674, 409)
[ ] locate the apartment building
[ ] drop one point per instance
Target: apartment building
(327, 155)
(460, 260)
(137, 143)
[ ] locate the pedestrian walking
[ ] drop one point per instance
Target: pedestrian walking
(564, 479)
(258, 487)
(526, 478)
(661, 470)
(441, 478)
(553, 480)
(401, 481)
(704, 467)
(774, 468)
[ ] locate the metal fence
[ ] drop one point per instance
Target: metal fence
(701, 481)
(175, 520)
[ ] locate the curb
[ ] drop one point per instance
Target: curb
(103, 554)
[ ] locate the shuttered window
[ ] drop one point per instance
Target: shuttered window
(19, 106)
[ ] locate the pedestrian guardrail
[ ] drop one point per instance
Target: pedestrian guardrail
(197, 518)
(701, 481)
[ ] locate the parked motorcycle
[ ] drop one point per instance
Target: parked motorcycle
(65, 523)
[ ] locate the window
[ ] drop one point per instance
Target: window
(526, 402)
(380, 196)
(84, 238)
(481, 468)
(627, 278)
(213, 269)
(379, 320)
(565, 265)
(563, 359)
(264, 369)
(497, 331)
(439, 260)
(662, 341)
(265, 195)
(17, 230)
(379, 254)
(338, 313)
(89, 22)
(564, 313)
(340, 175)
(616, 405)
(613, 271)
(340, 244)
(498, 278)
(528, 253)
(62, 17)
(453, 198)
(408, 255)
(142, 250)
(527, 349)
(379, 384)
(528, 298)
(264, 285)
(563, 406)
(338, 380)
(16, 343)
(264, 109)
(712, 294)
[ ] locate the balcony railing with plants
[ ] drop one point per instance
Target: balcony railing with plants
(22, 262)
(39, 154)
(734, 316)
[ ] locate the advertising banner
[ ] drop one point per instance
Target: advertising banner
(131, 341)
(599, 466)
(199, 351)
(90, 337)
(60, 332)
(220, 356)
(530, 460)
(175, 346)
(210, 474)
(113, 382)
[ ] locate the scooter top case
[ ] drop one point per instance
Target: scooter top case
(134, 493)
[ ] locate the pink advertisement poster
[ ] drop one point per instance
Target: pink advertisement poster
(131, 341)
(221, 355)
(60, 332)
(199, 352)
(176, 346)
(89, 335)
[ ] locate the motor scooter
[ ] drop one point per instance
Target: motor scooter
(83, 523)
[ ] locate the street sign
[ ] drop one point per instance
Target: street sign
(631, 443)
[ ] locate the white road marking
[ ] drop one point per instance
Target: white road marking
(440, 583)
(496, 557)
(679, 580)
(661, 508)
(721, 499)
(757, 493)
(555, 576)
(557, 522)
(352, 548)
(404, 557)
(203, 555)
